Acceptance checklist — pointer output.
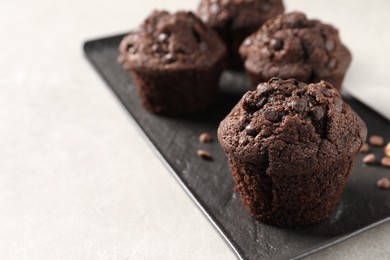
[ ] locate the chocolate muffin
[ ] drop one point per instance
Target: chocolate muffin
(292, 46)
(291, 147)
(176, 62)
(234, 20)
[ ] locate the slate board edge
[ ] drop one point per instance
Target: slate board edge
(213, 221)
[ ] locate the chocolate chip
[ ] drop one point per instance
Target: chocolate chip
(329, 44)
(265, 52)
(214, 8)
(376, 140)
(184, 50)
(301, 85)
(332, 64)
(318, 113)
(157, 49)
(369, 159)
(365, 148)
(299, 104)
(247, 42)
(274, 80)
(203, 46)
(204, 154)
(385, 162)
(134, 37)
(204, 18)
(262, 37)
(169, 58)
(383, 183)
(265, 7)
(205, 138)
(243, 123)
(162, 37)
(338, 103)
(387, 150)
(126, 65)
(250, 130)
(325, 92)
(263, 89)
(131, 49)
(261, 103)
(271, 115)
(294, 82)
(276, 44)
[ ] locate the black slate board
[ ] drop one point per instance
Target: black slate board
(210, 184)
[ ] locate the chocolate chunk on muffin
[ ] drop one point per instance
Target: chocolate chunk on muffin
(176, 62)
(292, 46)
(234, 20)
(291, 147)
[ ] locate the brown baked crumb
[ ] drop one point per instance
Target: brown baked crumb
(376, 140)
(383, 183)
(205, 138)
(369, 159)
(365, 148)
(204, 154)
(120, 59)
(387, 150)
(385, 162)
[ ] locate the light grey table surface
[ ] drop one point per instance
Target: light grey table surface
(77, 181)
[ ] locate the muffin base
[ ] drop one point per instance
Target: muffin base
(290, 197)
(177, 92)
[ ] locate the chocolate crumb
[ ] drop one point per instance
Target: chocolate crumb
(383, 183)
(204, 154)
(376, 140)
(365, 148)
(385, 162)
(369, 159)
(205, 138)
(387, 150)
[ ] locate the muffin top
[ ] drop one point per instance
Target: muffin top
(292, 46)
(167, 41)
(236, 14)
(292, 116)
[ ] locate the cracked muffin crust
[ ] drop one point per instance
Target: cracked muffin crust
(176, 61)
(292, 46)
(291, 147)
(234, 20)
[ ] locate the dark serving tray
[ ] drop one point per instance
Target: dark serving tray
(210, 185)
